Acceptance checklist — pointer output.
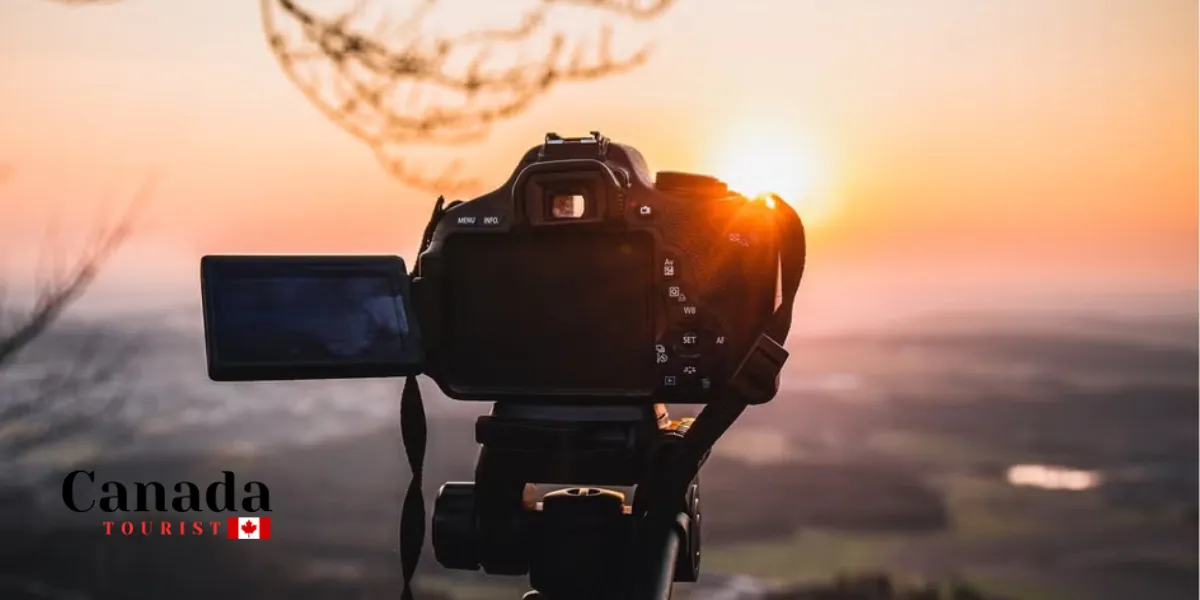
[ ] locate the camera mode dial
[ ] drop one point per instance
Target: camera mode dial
(690, 184)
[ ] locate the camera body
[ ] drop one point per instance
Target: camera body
(581, 284)
(583, 279)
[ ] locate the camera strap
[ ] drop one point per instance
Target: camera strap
(414, 435)
(755, 381)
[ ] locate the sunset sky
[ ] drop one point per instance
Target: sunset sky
(947, 153)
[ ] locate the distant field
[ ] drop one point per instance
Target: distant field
(887, 451)
(952, 409)
(1024, 542)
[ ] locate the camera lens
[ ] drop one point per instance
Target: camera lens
(567, 206)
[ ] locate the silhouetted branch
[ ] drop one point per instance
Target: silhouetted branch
(398, 85)
(67, 393)
(59, 284)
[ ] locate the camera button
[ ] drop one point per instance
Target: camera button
(683, 310)
(692, 378)
(478, 221)
(690, 338)
(643, 210)
(688, 344)
(661, 356)
(670, 267)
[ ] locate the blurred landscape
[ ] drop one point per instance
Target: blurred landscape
(992, 391)
(1029, 456)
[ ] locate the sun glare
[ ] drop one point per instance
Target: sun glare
(755, 163)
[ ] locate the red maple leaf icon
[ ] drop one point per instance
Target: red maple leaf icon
(249, 527)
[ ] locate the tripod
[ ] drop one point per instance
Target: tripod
(574, 542)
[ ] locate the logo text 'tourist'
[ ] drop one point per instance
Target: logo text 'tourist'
(79, 495)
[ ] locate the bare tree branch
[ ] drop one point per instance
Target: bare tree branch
(65, 284)
(396, 85)
(72, 391)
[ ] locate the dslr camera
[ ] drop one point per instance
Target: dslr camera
(580, 296)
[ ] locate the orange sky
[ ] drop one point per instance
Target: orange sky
(1025, 149)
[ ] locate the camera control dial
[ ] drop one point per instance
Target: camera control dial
(690, 184)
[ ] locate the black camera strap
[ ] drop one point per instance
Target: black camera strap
(754, 382)
(414, 435)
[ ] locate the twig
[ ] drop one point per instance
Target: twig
(395, 86)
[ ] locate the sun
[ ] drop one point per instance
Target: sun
(755, 162)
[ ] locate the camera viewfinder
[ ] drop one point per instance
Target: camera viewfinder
(567, 206)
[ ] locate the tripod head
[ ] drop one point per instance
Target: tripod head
(573, 541)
